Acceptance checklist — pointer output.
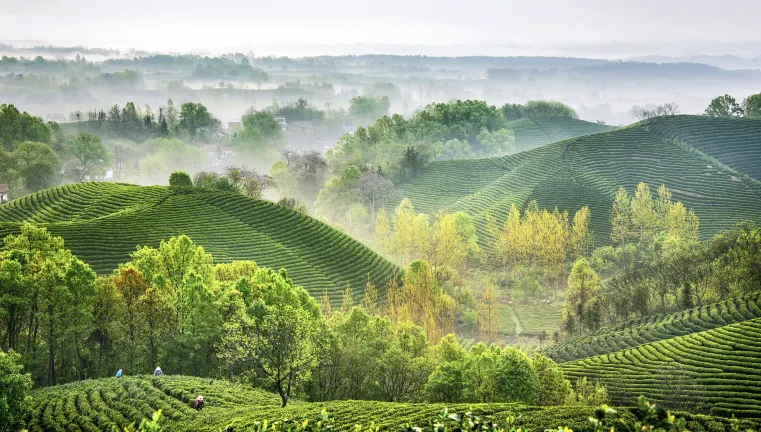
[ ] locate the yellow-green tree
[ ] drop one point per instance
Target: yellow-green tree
(382, 231)
(581, 236)
(488, 315)
(581, 306)
(620, 217)
(370, 299)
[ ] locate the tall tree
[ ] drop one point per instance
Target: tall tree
(581, 306)
(724, 106)
(87, 157)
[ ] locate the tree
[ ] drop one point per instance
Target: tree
(87, 157)
(14, 385)
(369, 107)
(37, 164)
(376, 190)
(172, 116)
(196, 120)
(488, 315)
(554, 389)
(581, 237)
(581, 306)
(280, 346)
(180, 179)
(16, 127)
(752, 106)
(724, 106)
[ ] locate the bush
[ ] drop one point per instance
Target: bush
(180, 179)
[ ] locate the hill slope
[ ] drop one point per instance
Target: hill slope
(638, 332)
(102, 223)
(532, 133)
(718, 368)
(105, 403)
(589, 169)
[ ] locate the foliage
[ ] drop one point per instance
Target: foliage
(87, 157)
(536, 109)
(724, 106)
(218, 220)
(196, 121)
(366, 108)
(17, 127)
(180, 179)
(15, 404)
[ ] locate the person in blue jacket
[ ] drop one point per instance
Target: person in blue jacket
(158, 371)
(120, 372)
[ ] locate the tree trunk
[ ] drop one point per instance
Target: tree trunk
(51, 350)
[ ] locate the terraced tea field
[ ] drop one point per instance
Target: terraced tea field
(654, 328)
(720, 369)
(588, 170)
(102, 223)
(102, 404)
(530, 133)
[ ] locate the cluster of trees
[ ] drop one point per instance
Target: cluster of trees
(172, 306)
(537, 109)
(727, 106)
(448, 243)
(401, 147)
(728, 265)
(537, 244)
(238, 179)
(652, 111)
(192, 121)
(646, 230)
(36, 155)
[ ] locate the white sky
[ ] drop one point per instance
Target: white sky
(190, 25)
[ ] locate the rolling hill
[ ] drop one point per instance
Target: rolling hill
(654, 328)
(717, 369)
(706, 176)
(103, 404)
(532, 133)
(102, 223)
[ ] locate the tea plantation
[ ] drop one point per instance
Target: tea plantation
(657, 327)
(103, 222)
(719, 370)
(532, 133)
(94, 405)
(588, 170)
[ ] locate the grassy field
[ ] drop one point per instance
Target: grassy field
(532, 133)
(102, 223)
(588, 170)
(102, 404)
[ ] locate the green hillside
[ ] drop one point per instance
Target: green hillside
(588, 170)
(102, 223)
(735, 142)
(532, 133)
(654, 328)
(105, 403)
(718, 369)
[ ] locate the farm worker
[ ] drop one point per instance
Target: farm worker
(158, 371)
(120, 372)
(198, 403)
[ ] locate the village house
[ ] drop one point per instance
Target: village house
(5, 193)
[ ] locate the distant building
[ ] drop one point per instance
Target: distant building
(234, 127)
(5, 193)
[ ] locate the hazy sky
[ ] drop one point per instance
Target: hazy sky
(183, 25)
